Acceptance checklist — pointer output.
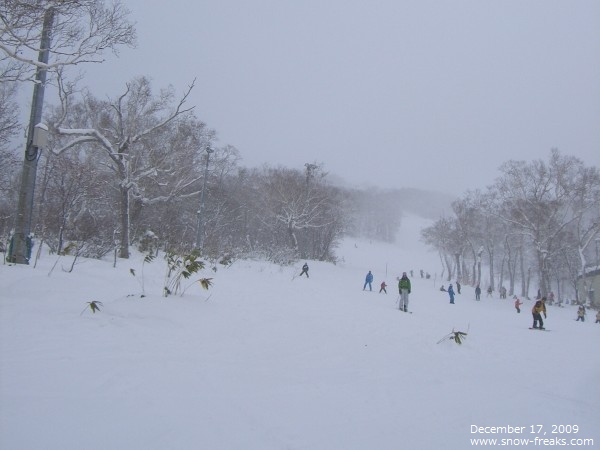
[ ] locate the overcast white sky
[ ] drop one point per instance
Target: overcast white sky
(393, 93)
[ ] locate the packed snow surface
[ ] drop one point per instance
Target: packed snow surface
(266, 359)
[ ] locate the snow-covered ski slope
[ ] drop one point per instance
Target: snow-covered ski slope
(267, 360)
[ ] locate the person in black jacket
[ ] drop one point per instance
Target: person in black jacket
(538, 309)
(304, 270)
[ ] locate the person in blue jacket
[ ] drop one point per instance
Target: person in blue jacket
(451, 293)
(368, 281)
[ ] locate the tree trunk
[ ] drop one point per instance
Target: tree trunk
(491, 255)
(124, 213)
(501, 275)
(293, 237)
(448, 262)
(524, 285)
(458, 267)
(542, 275)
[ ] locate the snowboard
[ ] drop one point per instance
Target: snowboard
(539, 329)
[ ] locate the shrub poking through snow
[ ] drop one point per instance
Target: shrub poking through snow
(456, 336)
(183, 267)
(93, 305)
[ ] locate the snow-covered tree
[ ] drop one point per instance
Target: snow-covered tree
(9, 111)
(536, 199)
(442, 236)
(301, 208)
(150, 143)
(81, 30)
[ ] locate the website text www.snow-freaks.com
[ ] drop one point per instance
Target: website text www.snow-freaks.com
(531, 435)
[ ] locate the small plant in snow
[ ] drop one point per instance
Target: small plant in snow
(181, 267)
(93, 305)
(205, 282)
(456, 336)
(147, 259)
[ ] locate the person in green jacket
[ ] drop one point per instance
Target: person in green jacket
(404, 290)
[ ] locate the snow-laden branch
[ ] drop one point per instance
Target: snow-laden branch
(84, 135)
(179, 110)
(81, 30)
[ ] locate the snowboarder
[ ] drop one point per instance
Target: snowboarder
(442, 288)
(581, 314)
(383, 286)
(368, 281)
(518, 303)
(598, 317)
(404, 289)
(477, 293)
(305, 270)
(489, 291)
(457, 286)
(451, 294)
(538, 309)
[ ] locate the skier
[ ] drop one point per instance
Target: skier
(383, 286)
(581, 314)
(538, 309)
(368, 281)
(477, 293)
(518, 303)
(457, 286)
(305, 270)
(404, 289)
(451, 293)
(502, 292)
(598, 317)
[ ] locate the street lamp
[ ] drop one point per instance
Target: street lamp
(200, 228)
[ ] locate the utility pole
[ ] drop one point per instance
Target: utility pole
(200, 229)
(20, 248)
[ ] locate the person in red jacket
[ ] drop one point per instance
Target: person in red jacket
(383, 286)
(518, 303)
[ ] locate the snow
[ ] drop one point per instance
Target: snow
(267, 360)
